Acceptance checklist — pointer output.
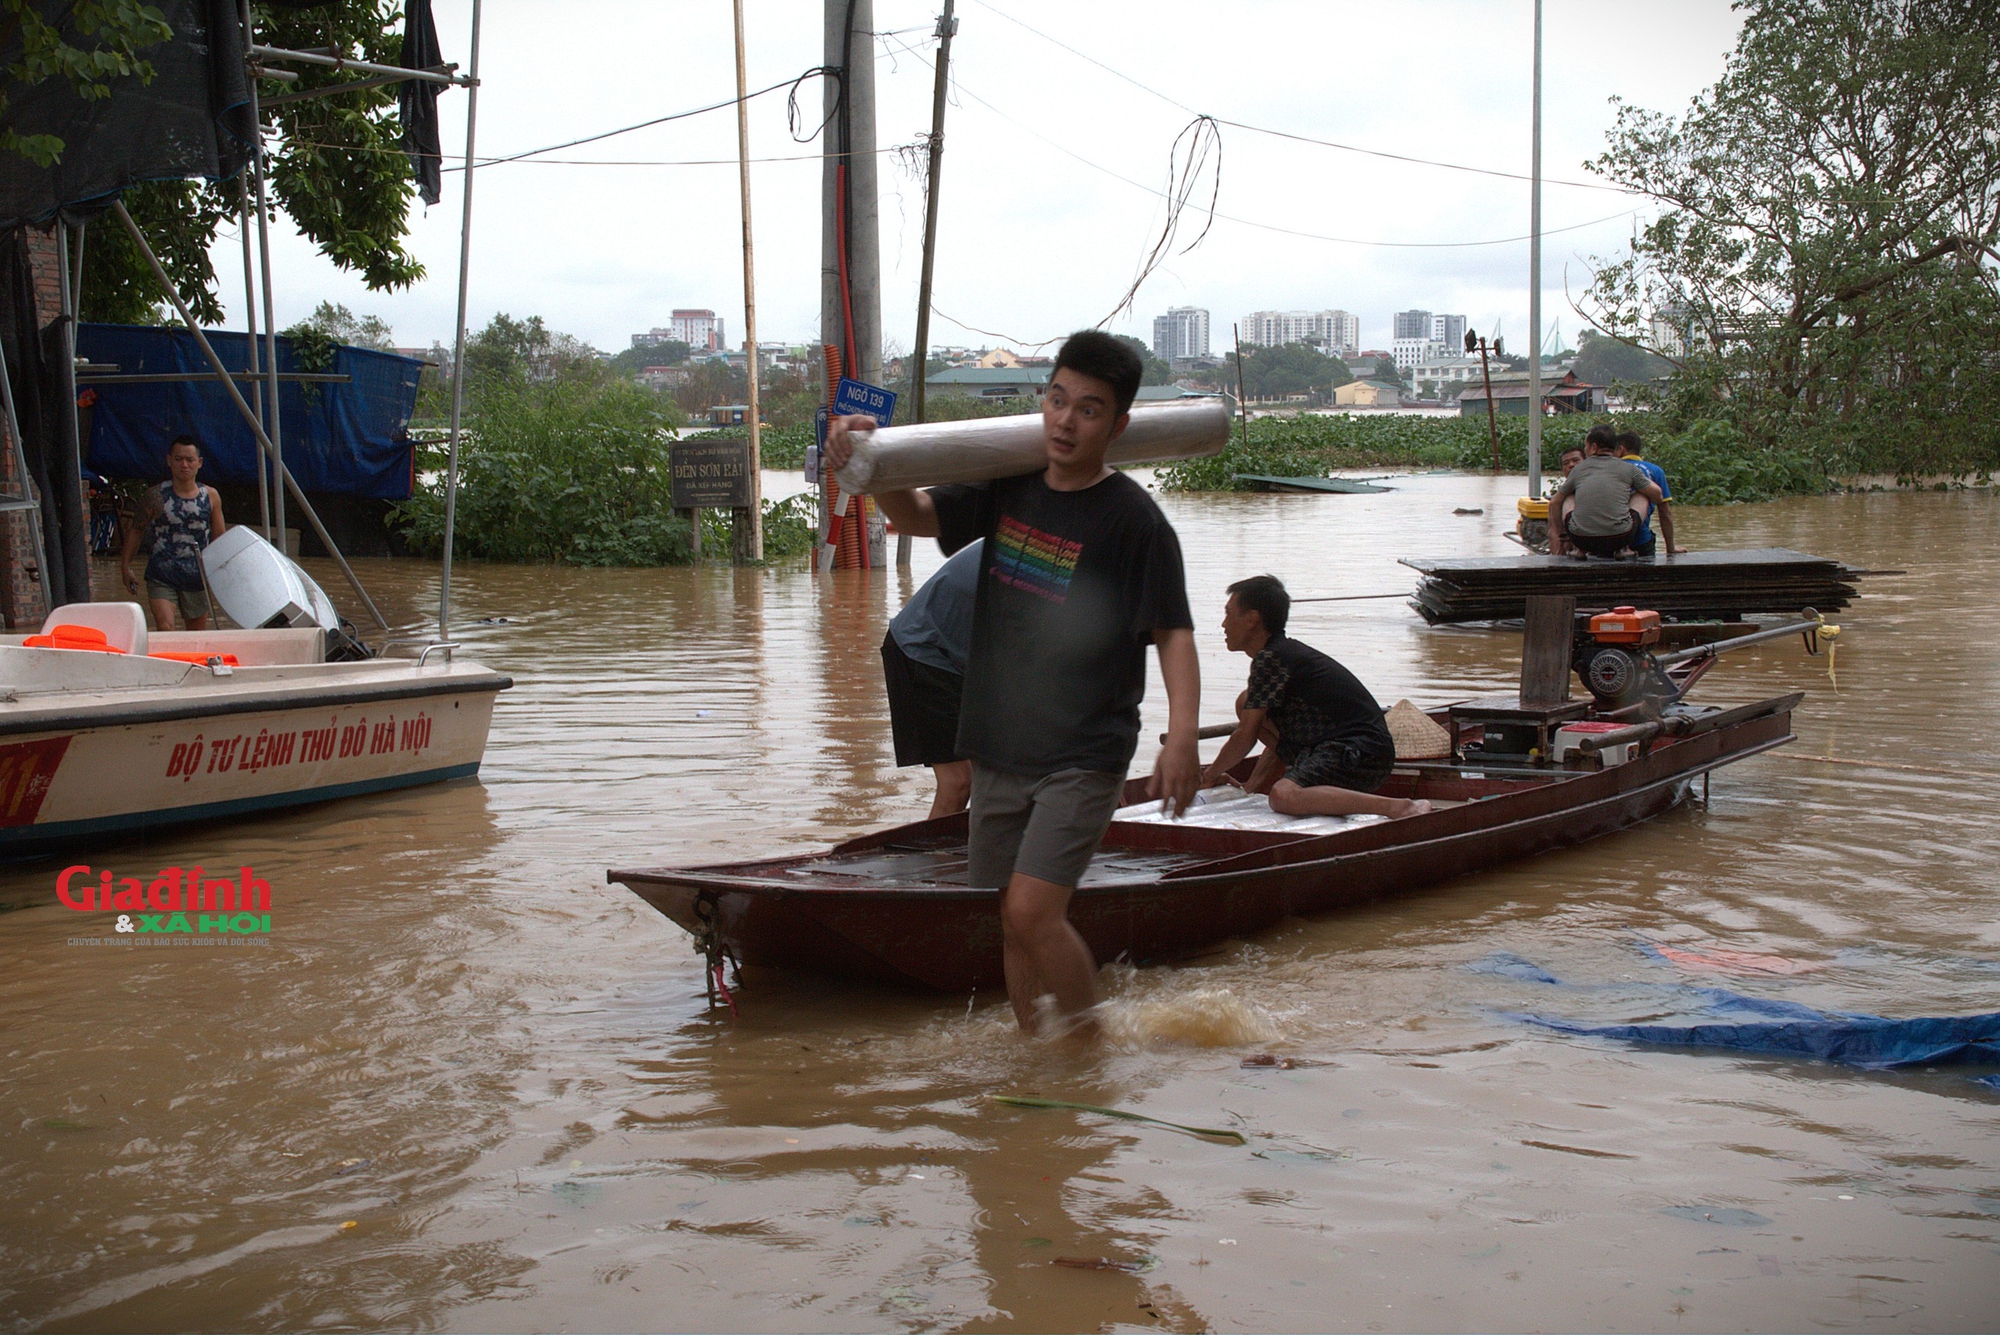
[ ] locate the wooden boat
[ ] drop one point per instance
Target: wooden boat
(894, 907)
(1344, 486)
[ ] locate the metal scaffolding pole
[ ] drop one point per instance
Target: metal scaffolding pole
(458, 335)
(1535, 278)
(250, 323)
(66, 472)
(277, 432)
(243, 407)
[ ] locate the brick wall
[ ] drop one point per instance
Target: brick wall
(22, 600)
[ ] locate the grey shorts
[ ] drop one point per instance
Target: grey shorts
(1047, 828)
(192, 603)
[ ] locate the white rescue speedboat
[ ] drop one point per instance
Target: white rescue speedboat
(107, 729)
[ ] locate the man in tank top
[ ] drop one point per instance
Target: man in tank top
(177, 519)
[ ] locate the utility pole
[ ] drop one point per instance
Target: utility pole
(1242, 404)
(1535, 278)
(864, 244)
(947, 26)
(920, 356)
(747, 526)
(1473, 340)
(850, 237)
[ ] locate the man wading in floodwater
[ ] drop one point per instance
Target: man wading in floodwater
(1080, 572)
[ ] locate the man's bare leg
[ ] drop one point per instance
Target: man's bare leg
(1042, 952)
(163, 612)
(1289, 799)
(954, 787)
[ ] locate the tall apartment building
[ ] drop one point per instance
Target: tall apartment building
(700, 330)
(1413, 324)
(1337, 333)
(1449, 330)
(1181, 332)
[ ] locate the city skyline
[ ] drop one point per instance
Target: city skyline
(1022, 267)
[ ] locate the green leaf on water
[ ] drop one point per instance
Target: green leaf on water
(1209, 1132)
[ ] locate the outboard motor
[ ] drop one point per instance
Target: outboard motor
(260, 588)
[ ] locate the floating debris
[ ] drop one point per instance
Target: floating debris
(1213, 1133)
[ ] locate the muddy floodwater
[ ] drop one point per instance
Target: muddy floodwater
(467, 1085)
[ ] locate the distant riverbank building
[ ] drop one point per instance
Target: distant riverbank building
(1335, 333)
(701, 330)
(1181, 333)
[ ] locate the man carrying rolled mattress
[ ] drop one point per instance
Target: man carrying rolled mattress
(1080, 572)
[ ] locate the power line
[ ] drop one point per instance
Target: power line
(960, 85)
(1298, 138)
(657, 120)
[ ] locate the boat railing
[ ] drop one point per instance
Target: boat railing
(429, 647)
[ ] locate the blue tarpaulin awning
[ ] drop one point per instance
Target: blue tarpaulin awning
(348, 439)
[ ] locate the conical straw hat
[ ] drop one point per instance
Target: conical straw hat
(1417, 736)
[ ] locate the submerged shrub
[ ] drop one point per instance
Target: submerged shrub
(573, 469)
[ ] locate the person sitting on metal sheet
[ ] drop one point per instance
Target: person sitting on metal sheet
(1571, 456)
(1600, 508)
(1632, 448)
(1326, 747)
(923, 666)
(178, 519)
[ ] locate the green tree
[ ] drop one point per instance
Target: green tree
(337, 170)
(1389, 373)
(339, 325)
(631, 361)
(511, 351)
(1281, 372)
(1157, 372)
(106, 37)
(1821, 271)
(1603, 360)
(179, 219)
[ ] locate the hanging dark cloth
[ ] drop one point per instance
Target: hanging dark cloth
(69, 535)
(21, 343)
(192, 118)
(417, 101)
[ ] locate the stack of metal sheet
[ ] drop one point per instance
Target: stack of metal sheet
(1698, 585)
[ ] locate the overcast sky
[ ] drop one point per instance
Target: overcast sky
(1037, 235)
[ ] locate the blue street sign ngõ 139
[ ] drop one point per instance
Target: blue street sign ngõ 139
(857, 396)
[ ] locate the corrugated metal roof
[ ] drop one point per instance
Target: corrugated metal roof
(990, 375)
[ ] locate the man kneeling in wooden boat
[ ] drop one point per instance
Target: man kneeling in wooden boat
(1079, 573)
(1326, 748)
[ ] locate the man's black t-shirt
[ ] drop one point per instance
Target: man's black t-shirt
(1073, 584)
(1313, 699)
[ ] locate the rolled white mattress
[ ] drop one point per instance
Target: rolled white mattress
(930, 454)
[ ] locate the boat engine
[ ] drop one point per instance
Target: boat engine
(1614, 659)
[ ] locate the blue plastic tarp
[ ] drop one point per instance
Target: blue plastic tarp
(1870, 1042)
(340, 439)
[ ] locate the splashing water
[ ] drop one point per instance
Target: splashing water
(1209, 1018)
